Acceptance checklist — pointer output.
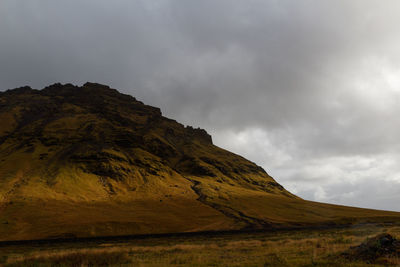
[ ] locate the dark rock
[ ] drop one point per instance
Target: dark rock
(374, 249)
(199, 134)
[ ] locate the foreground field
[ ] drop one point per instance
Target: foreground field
(281, 248)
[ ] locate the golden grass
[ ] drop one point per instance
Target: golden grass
(284, 248)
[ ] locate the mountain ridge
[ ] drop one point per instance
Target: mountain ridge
(90, 161)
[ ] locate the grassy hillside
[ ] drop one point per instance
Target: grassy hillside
(89, 161)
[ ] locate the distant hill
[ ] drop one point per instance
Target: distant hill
(90, 161)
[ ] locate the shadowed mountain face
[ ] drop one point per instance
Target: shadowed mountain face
(89, 161)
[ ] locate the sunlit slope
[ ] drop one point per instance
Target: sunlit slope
(89, 161)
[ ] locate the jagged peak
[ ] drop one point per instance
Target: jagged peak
(98, 85)
(19, 90)
(199, 133)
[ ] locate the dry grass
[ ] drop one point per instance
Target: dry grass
(288, 248)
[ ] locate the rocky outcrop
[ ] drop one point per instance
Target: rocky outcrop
(375, 250)
(199, 134)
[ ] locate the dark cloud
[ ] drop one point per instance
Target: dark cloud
(308, 89)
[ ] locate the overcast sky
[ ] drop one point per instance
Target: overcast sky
(310, 90)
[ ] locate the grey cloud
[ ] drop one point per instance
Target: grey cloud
(293, 85)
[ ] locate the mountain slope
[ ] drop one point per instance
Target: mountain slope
(88, 161)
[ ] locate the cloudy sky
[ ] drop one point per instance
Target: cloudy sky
(310, 90)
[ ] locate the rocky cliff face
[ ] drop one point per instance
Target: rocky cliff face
(87, 161)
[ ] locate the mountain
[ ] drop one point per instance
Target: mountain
(90, 161)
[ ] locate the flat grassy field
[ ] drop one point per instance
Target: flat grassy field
(312, 247)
